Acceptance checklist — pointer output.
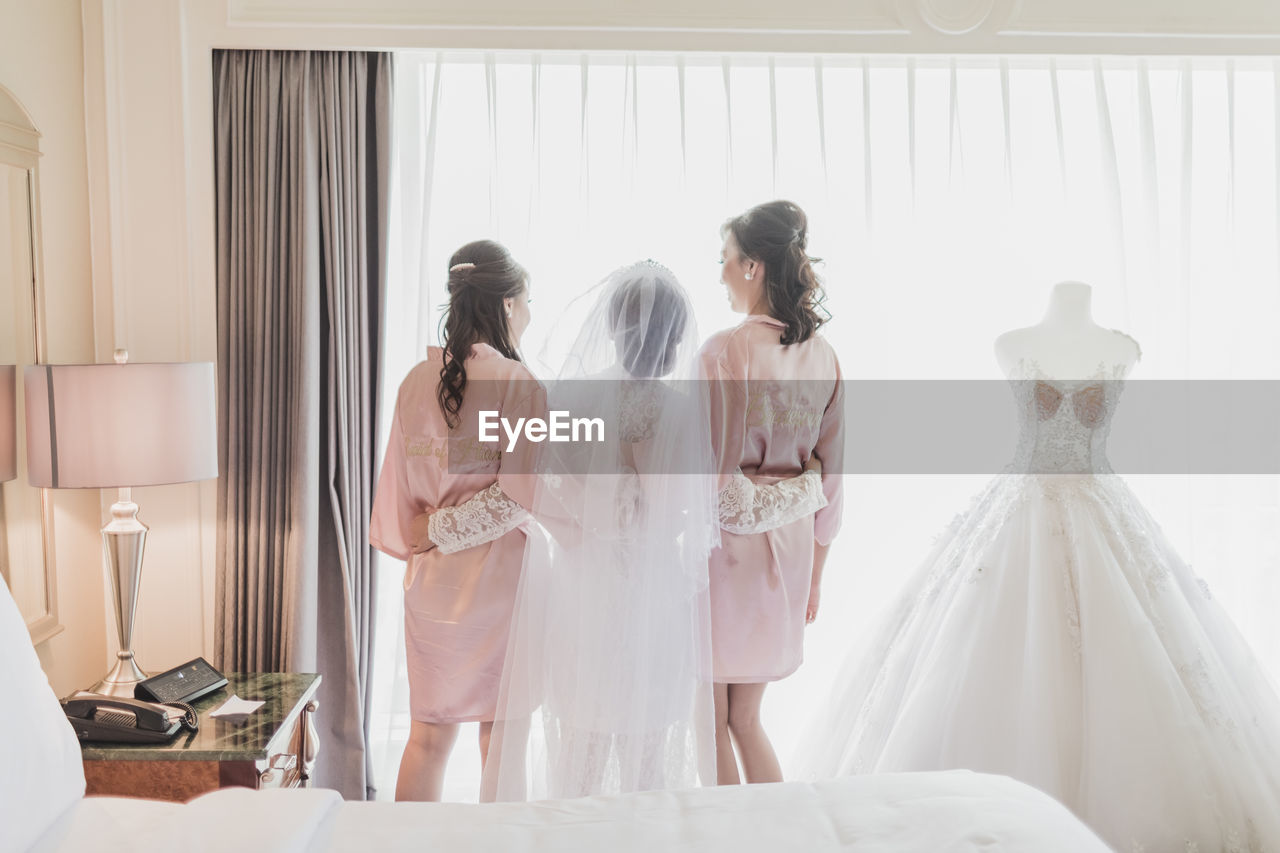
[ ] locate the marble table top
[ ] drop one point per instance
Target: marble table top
(218, 740)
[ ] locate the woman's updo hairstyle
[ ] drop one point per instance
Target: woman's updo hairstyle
(776, 235)
(481, 275)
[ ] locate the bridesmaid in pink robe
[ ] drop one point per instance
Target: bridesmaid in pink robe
(776, 402)
(458, 605)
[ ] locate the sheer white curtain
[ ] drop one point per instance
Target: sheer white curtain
(946, 197)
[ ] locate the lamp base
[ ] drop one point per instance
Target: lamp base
(123, 540)
(122, 678)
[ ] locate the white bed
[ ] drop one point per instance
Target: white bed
(43, 807)
(935, 812)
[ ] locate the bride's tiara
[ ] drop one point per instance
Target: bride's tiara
(647, 265)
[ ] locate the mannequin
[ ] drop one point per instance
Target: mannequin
(1067, 344)
(1054, 635)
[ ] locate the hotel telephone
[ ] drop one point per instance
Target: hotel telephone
(114, 719)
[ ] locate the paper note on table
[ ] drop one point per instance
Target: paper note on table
(236, 710)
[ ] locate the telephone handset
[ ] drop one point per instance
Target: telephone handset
(116, 719)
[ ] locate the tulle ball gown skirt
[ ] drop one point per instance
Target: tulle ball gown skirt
(1054, 636)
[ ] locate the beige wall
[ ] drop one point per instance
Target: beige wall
(41, 62)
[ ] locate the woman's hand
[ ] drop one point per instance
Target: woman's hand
(419, 532)
(813, 464)
(815, 581)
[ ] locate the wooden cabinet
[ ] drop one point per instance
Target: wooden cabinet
(275, 748)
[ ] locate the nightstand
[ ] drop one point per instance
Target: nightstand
(275, 748)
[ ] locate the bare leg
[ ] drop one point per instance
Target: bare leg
(726, 761)
(486, 732)
(505, 743)
(425, 756)
(759, 762)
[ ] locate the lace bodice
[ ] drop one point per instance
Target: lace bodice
(639, 406)
(1063, 425)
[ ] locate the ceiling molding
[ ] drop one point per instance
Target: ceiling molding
(956, 18)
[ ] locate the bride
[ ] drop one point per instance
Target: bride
(609, 654)
(1054, 636)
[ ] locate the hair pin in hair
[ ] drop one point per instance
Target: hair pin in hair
(463, 266)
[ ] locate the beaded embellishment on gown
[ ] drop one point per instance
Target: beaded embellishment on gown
(1053, 635)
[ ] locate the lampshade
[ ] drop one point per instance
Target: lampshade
(8, 424)
(98, 426)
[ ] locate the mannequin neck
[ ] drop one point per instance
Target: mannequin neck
(1069, 305)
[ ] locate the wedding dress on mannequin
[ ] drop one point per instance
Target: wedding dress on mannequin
(1053, 635)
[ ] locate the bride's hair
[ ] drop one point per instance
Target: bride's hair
(647, 317)
(776, 235)
(481, 275)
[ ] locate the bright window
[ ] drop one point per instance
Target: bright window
(945, 197)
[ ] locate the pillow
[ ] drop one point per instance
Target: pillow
(43, 775)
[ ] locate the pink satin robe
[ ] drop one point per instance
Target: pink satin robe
(457, 607)
(760, 582)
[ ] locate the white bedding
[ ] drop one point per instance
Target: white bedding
(933, 812)
(233, 820)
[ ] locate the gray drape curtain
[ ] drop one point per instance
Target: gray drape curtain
(302, 148)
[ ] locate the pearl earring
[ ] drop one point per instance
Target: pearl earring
(747, 276)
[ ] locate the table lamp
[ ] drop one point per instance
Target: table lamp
(8, 424)
(99, 426)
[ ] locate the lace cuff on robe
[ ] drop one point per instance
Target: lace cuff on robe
(747, 507)
(486, 516)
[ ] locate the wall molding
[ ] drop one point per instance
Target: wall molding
(957, 17)
(655, 15)
(862, 26)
